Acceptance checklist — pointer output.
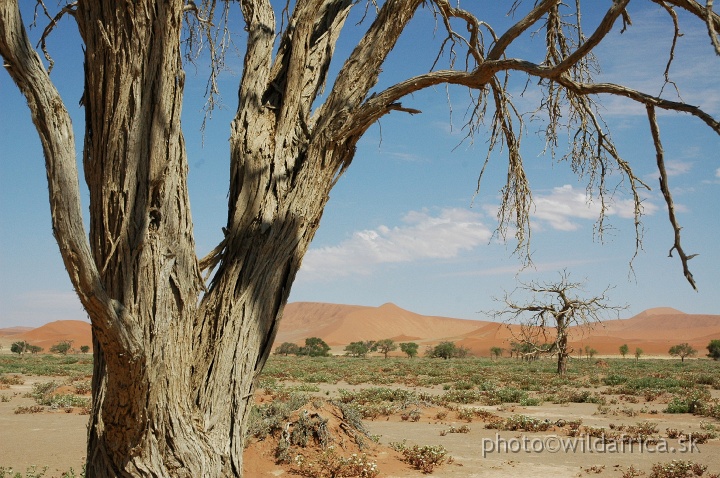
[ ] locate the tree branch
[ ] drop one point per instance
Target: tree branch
(665, 188)
(704, 13)
(54, 126)
(361, 69)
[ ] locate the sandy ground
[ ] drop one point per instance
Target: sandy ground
(57, 440)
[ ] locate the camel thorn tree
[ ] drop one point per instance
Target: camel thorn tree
(546, 316)
(179, 340)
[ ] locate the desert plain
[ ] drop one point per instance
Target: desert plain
(481, 416)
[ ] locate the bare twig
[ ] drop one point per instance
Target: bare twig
(665, 188)
(68, 9)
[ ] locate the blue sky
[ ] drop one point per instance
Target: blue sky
(405, 224)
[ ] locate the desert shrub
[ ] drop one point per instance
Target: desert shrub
(505, 395)
(30, 472)
(82, 387)
(520, 423)
(413, 415)
(64, 400)
(677, 469)
(329, 464)
(637, 386)
(425, 458)
(465, 414)
(41, 390)
(632, 472)
(614, 379)
(691, 401)
(378, 395)
(30, 409)
(463, 385)
(310, 426)
(270, 417)
(453, 429)
(530, 402)
(11, 380)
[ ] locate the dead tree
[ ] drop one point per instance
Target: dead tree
(546, 316)
(180, 340)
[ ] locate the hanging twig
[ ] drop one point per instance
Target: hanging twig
(665, 188)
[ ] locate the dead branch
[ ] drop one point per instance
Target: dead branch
(665, 188)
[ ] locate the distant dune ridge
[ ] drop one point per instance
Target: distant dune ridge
(654, 330)
(49, 334)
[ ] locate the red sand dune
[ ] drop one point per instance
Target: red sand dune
(340, 325)
(654, 330)
(49, 334)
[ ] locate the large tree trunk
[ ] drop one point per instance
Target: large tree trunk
(178, 405)
(143, 421)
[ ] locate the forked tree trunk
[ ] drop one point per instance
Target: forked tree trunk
(178, 406)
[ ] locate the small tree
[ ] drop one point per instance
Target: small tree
(638, 353)
(447, 350)
(590, 352)
(287, 348)
(360, 348)
(385, 346)
(19, 347)
(409, 348)
(62, 347)
(624, 350)
(682, 351)
(315, 347)
(84, 349)
(496, 351)
(714, 349)
(444, 350)
(34, 349)
(553, 307)
(461, 352)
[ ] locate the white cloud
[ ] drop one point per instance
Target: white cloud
(676, 168)
(563, 205)
(422, 236)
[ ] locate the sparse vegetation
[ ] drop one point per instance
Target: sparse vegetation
(624, 350)
(677, 469)
(468, 386)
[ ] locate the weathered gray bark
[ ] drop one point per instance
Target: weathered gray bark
(176, 359)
